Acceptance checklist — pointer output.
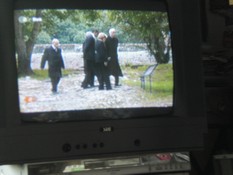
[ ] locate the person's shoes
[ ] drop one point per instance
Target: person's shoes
(109, 87)
(117, 85)
(84, 86)
(101, 88)
(92, 85)
(54, 92)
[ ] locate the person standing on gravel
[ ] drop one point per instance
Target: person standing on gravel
(54, 57)
(111, 46)
(89, 60)
(101, 62)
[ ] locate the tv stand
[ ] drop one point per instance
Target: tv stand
(163, 163)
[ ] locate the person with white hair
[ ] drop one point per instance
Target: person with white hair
(113, 65)
(53, 55)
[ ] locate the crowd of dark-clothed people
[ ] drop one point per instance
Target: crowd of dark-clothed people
(100, 59)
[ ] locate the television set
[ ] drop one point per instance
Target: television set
(38, 126)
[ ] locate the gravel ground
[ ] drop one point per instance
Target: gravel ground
(35, 95)
(74, 60)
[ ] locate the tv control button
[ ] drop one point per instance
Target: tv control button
(66, 147)
(137, 142)
(85, 146)
(101, 145)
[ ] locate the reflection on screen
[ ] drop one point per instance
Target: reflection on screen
(141, 60)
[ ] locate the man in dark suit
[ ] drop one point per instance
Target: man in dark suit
(54, 57)
(113, 65)
(89, 60)
(101, 62)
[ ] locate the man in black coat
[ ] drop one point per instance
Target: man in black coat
(89, 60)
(54, 57)
(113, 65)
(101, 62)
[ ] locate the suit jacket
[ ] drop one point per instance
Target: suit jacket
(55, 61)
(89, 48)
(101, 52)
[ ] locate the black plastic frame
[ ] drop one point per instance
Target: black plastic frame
(180, 130)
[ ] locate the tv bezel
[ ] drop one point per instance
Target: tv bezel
(180, 130)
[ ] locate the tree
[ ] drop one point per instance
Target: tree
(70, 26)
(54, 22)
(28, 24)
(25, 43)
(152, 27)
(43, 38)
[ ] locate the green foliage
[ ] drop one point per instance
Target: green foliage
(67, 31)
(151, 28)
(162, 80)
(132, 26)
(43, 38)
(40, 74)
(70, 26)
(27, 24)
(43, 74)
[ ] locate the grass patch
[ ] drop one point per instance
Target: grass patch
(161, 80)
(43, 74)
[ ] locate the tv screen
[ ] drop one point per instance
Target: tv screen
(87, 79)
(141, 60)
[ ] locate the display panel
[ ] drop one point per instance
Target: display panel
(230, 2)
(104, 131)
(143, 40)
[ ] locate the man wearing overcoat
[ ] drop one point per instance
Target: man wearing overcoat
(89, 60)
(55, 61)
(113, 65)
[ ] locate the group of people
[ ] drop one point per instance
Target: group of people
(100, 59)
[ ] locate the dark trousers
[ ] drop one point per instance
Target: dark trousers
(89, 74)
(55, 81)
(116, 80)
(103, 76)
